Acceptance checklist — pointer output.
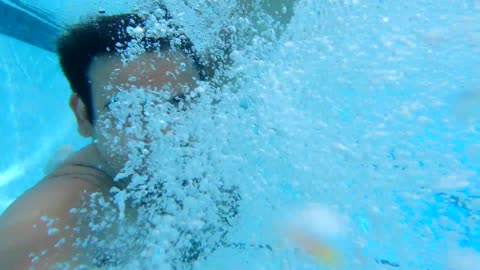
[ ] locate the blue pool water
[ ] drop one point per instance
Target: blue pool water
(36, 117)
(369, 108)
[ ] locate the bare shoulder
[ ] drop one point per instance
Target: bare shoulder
(38, 226)
(51, 195)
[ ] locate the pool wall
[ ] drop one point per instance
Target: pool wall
(35, 119)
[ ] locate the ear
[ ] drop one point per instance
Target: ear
(85, 128)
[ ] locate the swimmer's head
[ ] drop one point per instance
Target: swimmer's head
(92, 62)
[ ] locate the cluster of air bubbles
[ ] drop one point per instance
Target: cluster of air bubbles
(335, 109)
(152, 26)
(157, 24)
(169, 173)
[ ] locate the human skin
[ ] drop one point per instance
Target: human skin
(24, 226)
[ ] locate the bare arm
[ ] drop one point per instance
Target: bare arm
(38, 229)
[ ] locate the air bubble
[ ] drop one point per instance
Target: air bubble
(137, 32)
(182, 67)
(52, 231)
(170, 74)
(159, 13)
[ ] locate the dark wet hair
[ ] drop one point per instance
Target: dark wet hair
(104, 35)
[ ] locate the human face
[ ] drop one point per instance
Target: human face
(169, 72)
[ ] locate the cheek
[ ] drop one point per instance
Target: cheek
(117, 139)
(107, 131)
(111, 143)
